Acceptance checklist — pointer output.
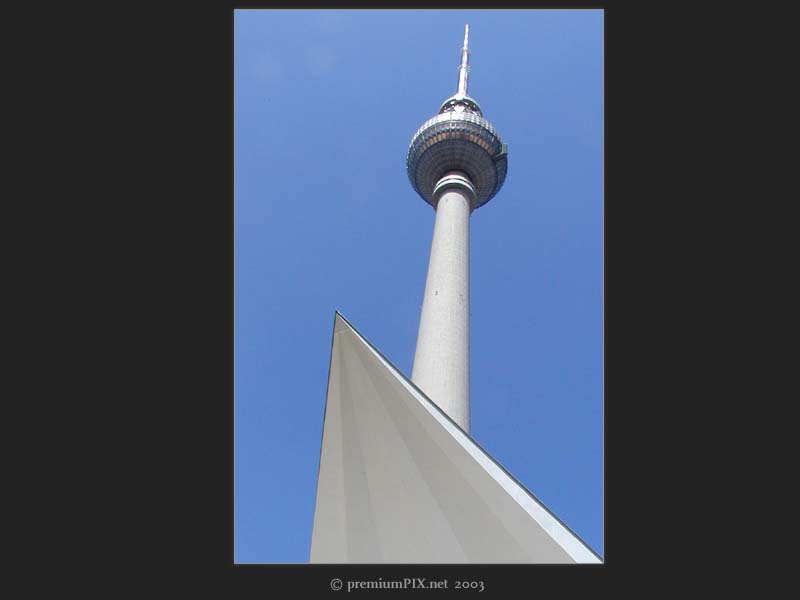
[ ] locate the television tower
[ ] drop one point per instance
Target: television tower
(457, 162)
(400, 478)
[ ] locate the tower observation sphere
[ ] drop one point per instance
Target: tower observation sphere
(458, 139)
(457, 162)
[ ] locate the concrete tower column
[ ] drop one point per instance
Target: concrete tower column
(456, 162)
(441, 360)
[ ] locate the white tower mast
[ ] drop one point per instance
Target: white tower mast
(457, 162)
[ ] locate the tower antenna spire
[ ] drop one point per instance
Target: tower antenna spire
(463, 70)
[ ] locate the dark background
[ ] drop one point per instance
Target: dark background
(127, 436)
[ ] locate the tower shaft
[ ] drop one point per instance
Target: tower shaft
(441, 360)
(457, 162)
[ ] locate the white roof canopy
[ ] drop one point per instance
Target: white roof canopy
(400, 482)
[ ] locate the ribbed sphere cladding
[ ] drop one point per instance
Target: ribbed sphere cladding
(457, 141)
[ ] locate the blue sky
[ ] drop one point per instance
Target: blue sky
(326, 103)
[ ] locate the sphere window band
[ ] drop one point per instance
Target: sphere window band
(460, 141)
